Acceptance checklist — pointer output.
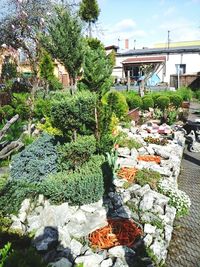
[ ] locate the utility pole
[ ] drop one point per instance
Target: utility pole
(134, 44)
(168, 42)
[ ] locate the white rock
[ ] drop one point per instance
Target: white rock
(148, 240)
(142, 190)
(63, 262)
(92, 260)
(149, 229)
(64, 236)
(117, 251)
(92, 207)
(17, 225)
(25, 206)
(79, 217)
(168, 233)
(170, 213)
(75, 247)
(147, 201)
(106, 263)
(134, 153)
(126, 162)
(119, 182)
(22, 216)
(40, 200)
(142, 151)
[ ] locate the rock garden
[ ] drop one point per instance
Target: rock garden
(82, 183)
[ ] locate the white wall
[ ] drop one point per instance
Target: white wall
(192, 62)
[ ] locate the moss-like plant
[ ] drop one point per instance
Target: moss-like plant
(146, 176)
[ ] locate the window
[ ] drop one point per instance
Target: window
(180, 69)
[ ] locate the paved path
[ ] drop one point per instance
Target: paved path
(184, 250)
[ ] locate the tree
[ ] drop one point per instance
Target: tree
(20, 28)
(89, 12)
(64, 42)
(97, 67)
(46, 68)
(97, 70)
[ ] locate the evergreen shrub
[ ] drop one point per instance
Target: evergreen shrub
(175, 100)
(84, 186)
(147, 102)
(133, 101)
(185, 93)
(162, 102)
(36, 161)
(116, 101)
(72, 155)
(75, 113)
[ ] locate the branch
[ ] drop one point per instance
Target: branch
(9, 149)
(8, 125)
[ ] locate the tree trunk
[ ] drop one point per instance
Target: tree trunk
(96, 123)
(90, 29)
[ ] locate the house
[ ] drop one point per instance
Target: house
(177, 64)
(23, 65)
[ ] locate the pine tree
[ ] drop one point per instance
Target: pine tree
(64, 42)
(46, 68)
(89, 12)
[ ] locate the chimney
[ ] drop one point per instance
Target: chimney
(126, 44)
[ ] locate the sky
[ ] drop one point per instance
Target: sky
(148, 22)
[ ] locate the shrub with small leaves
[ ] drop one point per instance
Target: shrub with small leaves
(133, 101)
(176, 100)
(162, 102)
(147, 102)
(84, 186)
(72, 155)
(36, 161)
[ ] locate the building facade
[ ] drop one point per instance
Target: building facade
(166, 63)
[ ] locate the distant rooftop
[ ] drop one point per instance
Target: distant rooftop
(178, 44)
(165, 50)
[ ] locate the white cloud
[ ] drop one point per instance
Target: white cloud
(125, 25)
(169, 11)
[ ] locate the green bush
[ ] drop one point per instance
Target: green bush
(133, 101)
(21, 105)
(185, 93)
(72, 155)
(155, 96)
(116, 101)
(13, 193)
(123, 141)
(7, 112)
(36, 161)
(75, 113)
(197, 94)
(146, 176)
(175, 100)
(24, 258)
(55, 84)
(162, 102)
(147, 102)
(84, 186)
(42, 108)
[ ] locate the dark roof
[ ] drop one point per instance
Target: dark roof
(144, 60)
(154, 51)
(111, 47)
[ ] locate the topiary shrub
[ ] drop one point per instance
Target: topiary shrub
(36, 161)
(72, 155)
(116, 101)
(134, 101)
(75, 113)
(147, 102)
(162, 102)
(84, 186)
(13, 193)
(175, 100)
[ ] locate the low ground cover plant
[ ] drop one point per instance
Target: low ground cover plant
(36, 161)
(178, 199)
(146, 176)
